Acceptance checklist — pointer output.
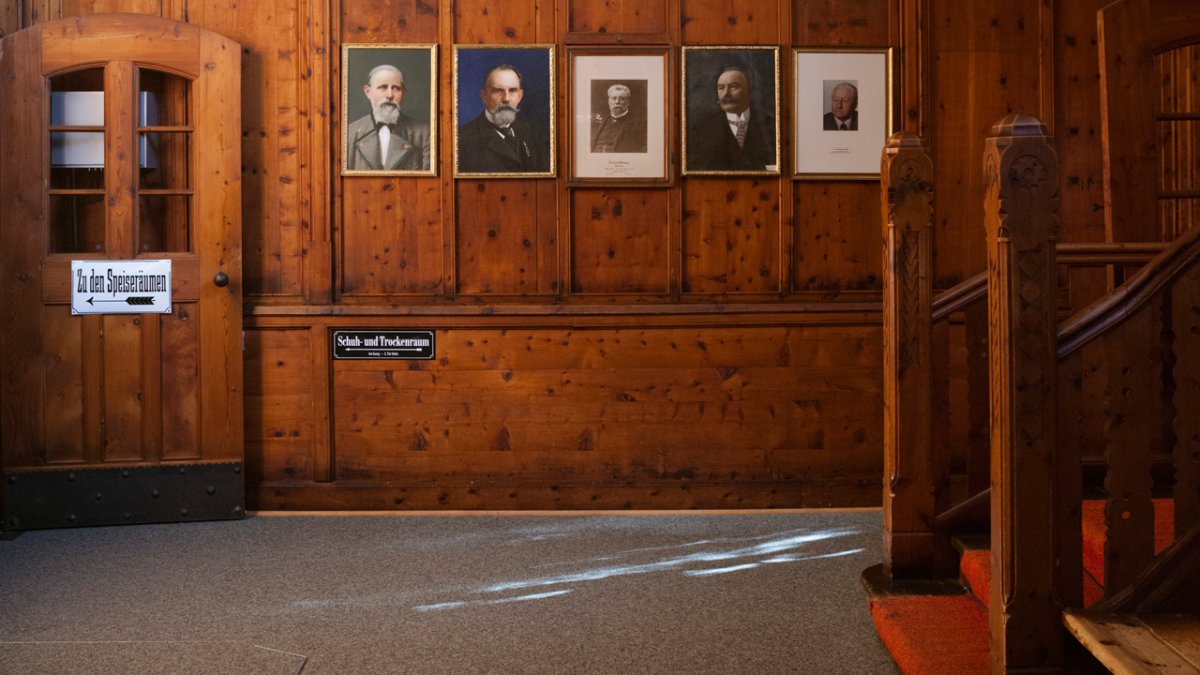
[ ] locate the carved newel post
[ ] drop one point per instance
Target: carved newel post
(1021, 217)
(906, 188)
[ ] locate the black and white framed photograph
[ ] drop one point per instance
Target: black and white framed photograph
(389, 99)
(619, 119)
(842, 112)
(731, 110)
(504, 111)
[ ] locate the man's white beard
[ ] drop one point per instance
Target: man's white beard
(503, 115)
(386, 112)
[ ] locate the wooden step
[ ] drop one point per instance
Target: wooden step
(1139, 643)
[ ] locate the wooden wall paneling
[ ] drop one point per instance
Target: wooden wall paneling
(1129, 134)
(181, 378)
(68, 8)
(447, 25)
(391, 236)
(911, 25)
(569, 406)
(836, 245)
(175, 9)
(496, 237)
(413, 21)
(270, 33)
(732, 22)
(321, 390)
(498, 229)
(731, 235)
(316, 164)
(12, 17)
(64, 377)
(986, 64)
(787, 196)
(392, 228)
(1077, 120)
(860, 23)
(23, 120)
(732, 231)
(612, 21)
(496, 22)
(620, 241)
(281, 405)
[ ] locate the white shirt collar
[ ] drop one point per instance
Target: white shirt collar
(743, 116)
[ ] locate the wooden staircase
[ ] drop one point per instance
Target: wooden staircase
(1113, 392)
(934, 626)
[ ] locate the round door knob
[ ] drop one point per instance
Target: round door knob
(221, 280)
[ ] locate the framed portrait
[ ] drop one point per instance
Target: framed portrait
(504, 111)
(389, 104)
(619, 122)
(731, 110)
(842, 112)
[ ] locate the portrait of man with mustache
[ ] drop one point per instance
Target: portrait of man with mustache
(621, 124)
(738, 134)
(498, 140)
(386, 139)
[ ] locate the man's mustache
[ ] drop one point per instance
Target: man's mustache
(728, 99)
(505, 106)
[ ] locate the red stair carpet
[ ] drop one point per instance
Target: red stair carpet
(938, 634)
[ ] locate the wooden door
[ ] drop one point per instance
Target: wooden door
(120, 140)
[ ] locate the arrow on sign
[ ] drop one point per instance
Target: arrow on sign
(134, 300)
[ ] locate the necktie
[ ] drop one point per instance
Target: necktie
(841, 126)
(741, 133)
(510, 137)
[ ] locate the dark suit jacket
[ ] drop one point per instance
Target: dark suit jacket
(630, 135)
(711, 145)
(482, 150)
(831, 122)
(408, 149)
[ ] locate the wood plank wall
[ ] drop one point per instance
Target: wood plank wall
(710, 343)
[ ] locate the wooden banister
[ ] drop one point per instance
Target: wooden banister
(1021, 219)
(1140, 289)
(906, 188)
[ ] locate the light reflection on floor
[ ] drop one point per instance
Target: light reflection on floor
(744, 553)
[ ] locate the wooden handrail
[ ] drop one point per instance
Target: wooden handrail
(1102, 315)
(974, 289)
(960, 297)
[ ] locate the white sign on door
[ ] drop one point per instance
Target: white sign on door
(120, 286)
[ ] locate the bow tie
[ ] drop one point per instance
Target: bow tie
(391, 127)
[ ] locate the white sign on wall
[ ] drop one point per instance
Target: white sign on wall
(120, 286)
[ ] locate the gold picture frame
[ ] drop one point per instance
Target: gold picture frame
(409, 147)
(737, 80)
(487, 79)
